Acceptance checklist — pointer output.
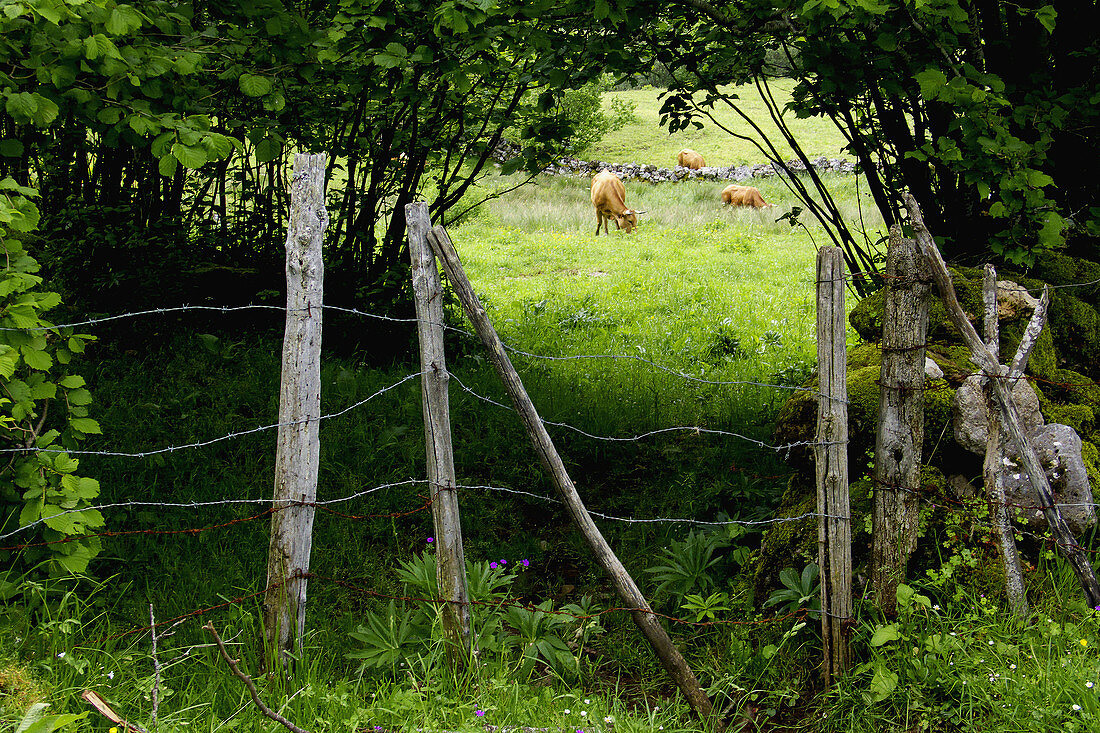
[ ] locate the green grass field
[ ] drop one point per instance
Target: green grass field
(643, 141)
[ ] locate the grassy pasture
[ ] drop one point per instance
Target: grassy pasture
(643, 141)
(719, 294)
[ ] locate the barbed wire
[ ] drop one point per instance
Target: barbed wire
(696, 429)
(152, 311)
(212, 441)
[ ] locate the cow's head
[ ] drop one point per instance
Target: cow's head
(628, 220)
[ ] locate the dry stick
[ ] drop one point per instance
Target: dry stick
(834, 528)
(994, 469)
(450, 560)
(625, 586)
(297, 455)
(251, 687)
(900, 435)
(1063, 536)
(156, 665)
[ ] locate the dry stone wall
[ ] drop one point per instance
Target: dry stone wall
(569, 166)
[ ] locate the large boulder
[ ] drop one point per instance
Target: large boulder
(1060, 452)
(971, 413)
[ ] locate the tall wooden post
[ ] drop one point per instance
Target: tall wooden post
(900, 435)
(450, 560)
(298, 453)
(627, 590)
(993, 468)
(834, 526)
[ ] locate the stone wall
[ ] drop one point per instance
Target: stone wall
(568, 166)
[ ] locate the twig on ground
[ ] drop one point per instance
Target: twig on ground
(249, 684)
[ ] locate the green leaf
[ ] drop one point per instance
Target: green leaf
(22, 106)
(885, 634)
(122, 20)
(47, 111)
(883, 683)
(11, 148)
(86, 425)
(268, 149)
(255, 85)
(37, 359)
(190, 156)
(931, 81)
(394, 55)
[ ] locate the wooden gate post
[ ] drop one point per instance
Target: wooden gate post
(900, 434)
(834, 526)
(450, 560)
(627, 590)
(299, 445)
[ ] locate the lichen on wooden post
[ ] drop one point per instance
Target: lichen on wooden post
(297, 455)
(834, 525)
(900, 433)
(450, 559)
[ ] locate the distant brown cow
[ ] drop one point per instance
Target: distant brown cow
(690, 159)
(609, 199)
(735, 195)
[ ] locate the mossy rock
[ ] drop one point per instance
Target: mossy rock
(1074, 311)
(787, 544)
(1091, 455)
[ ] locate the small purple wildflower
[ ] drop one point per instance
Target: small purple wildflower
(378, 727)
(493, 565)
(479, 713)
(431, 540)
(524, 563)
(503, 562)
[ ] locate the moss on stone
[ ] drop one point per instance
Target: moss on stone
(1091, 456)
(787, 544)
(1079, 417)
(864, 355)
(866, 316)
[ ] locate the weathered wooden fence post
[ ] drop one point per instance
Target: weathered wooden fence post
(993, 468)
(624, 585)
(834, 527)
(1010, 417)
(900, 434)
(298, 453)
(450, 560)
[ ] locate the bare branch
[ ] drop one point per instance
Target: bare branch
(249, 684)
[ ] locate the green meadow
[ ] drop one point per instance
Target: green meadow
(698, 324)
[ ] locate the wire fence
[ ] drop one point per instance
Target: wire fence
(268, 506)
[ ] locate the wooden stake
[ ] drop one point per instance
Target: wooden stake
(900, 435)
(298, 453)
(450, 561)
(993, 468)
(834, 526)
(1010, 416)
(625, 586)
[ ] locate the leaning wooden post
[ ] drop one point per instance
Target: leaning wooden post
(993, 468)
(450, 561)
(834, 527)
(298, 453)
(900, 434)
(625, 586)
(1010, 416)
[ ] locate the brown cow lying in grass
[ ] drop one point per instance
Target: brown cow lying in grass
(690, 159)
(609, 199)
(735, 195)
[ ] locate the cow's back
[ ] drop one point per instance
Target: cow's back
(735, 195)
(689, 158)
(608, 192)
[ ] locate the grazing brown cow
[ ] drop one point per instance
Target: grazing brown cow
(690, 159)
(735, 195)
(609, 198)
